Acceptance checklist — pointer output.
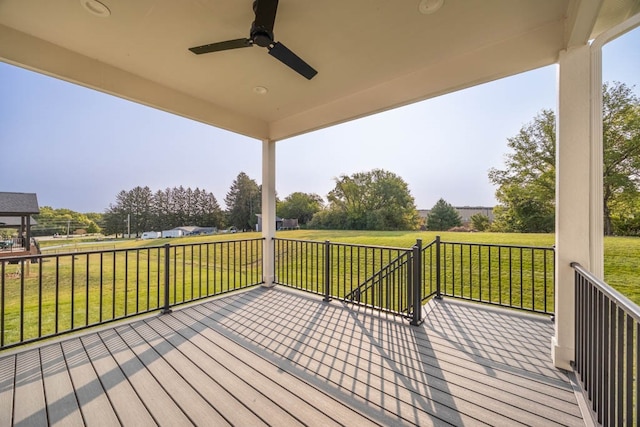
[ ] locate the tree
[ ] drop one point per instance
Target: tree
(625, 215)
(526, 187)
(301, 206)
(162, 210)
(480, 222)
(243, 202)
(132, 212)
(375, 200)
(621, 135)
(443, 216)
(206, 210)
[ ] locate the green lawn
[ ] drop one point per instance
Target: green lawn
(622, 254)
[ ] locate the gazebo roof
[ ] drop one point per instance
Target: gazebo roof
(18, 204)
(371, 55)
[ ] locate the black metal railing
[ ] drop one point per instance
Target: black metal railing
(521, 277)
(607, 350)
(13, 244)
(45, 295)
(379, 277)
(36, 244)
(389, 278)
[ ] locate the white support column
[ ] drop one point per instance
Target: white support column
(576, 177)
(268, 210)
(596, 201)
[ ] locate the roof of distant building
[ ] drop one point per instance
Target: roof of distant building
(18, 204)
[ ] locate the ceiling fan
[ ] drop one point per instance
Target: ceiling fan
(262, 35)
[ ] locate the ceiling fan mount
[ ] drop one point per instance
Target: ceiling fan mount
(261, 34)
(261, 37)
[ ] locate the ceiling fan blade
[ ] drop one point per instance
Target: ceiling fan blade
(265, 11)
(226, 45)
(293, 61)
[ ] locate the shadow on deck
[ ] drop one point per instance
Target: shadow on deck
(281, 357)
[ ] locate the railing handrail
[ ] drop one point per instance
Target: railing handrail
(433, 243)
(179, 245)
(384, 271)
(620, 300)
(497, 245)
(494, 245)
(355, 245)
(103, 251)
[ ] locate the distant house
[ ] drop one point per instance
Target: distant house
(259, 224)
(194, 230)
(15, 212)
(465, 212)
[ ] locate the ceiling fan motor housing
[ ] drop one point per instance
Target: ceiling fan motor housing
(261, 36)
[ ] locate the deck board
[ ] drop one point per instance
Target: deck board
(160, 405)
(247, 376)
(280, 357)
(62, 406)
(152, 355)
(7, 383)
(94, 402)
(126, 403)
(29, 390)
(232, 410)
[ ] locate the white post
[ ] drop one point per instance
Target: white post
(268, 210)
(596, 201)
(576, 201)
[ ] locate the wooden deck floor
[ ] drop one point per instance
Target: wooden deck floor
(278, 357)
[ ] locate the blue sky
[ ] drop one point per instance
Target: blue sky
(81, 147)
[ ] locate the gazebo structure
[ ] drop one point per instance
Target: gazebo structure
(370, 56)
(15, 212)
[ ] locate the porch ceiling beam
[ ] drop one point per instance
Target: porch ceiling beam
(581, 20)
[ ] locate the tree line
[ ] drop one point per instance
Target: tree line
(52, 221)
(373, 200)
(140, 209)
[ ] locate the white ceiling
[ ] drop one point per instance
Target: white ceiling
(371, 55)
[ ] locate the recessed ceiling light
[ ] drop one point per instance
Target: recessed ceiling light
(96, 8)
(260, 90)
(427, 7)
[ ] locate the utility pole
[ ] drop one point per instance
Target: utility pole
(128, 226)
(68, 226)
